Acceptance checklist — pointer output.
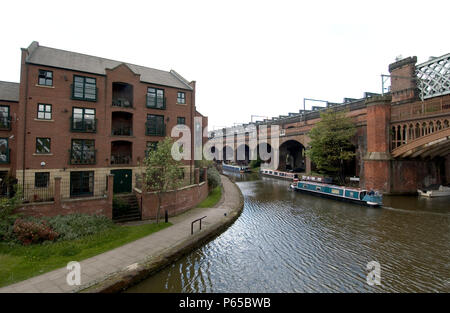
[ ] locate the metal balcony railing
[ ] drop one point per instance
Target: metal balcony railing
(155, 102)
(77, 157)
(118, 158)
(155, 130)
(122, 131)
(83, 125)
(122, 103)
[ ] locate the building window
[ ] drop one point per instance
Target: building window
(181, 97)
(82, 151)
(155, 98)
(44, 111)
(155, 125)
(41, 179)
(5, 119)
(83, 120)
(84, 88)
(181, 120)
(82, 183)
(45, 78)
(4, 150)
(43, 145)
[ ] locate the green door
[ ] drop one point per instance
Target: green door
(122, 180)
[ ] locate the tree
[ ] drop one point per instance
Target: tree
(330, 143)
(163, 172)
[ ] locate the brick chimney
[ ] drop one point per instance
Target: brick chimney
(403, 79)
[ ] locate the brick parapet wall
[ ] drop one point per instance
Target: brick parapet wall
(175, 202)
(92, 206)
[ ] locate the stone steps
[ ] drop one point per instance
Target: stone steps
(131, 213)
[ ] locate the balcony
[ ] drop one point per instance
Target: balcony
(122, 95)
(80, 157)
(83, 125)
(117, 159)
(155, 129)
(122, 131)
(155, 102)
(5, 123)
(122, 103)
(121, 152)
(122, 124)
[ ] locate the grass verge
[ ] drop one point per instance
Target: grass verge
(212, 199)
(19, 262)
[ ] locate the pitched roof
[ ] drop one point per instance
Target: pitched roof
(91, 64)
(9, 91)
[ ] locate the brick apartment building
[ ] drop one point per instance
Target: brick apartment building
(81, 117)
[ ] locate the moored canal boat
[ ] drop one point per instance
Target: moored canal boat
(278, 174)
(315, 186)
(236, 168)
(442, 191)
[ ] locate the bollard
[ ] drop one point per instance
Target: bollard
(166, 217)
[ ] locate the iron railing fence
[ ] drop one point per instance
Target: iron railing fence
(34, 190)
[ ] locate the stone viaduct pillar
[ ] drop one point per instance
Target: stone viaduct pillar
(377, 162)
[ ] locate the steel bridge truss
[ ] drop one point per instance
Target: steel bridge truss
(433, 77)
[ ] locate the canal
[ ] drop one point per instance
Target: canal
(286, 241)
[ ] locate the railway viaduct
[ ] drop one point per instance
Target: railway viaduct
(402, 141)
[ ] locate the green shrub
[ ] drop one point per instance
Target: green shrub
(213, 178)
(203, 163)
(255, 163)
(74, 226)
(7, 216)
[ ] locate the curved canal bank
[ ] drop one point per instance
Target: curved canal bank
(286, 241)
(174, 242)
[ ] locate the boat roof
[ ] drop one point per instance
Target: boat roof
(333, 186)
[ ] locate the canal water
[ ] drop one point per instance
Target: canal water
(286, 241)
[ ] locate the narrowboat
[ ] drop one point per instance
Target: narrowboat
(236, 168)
(278, 174)
(314, 185)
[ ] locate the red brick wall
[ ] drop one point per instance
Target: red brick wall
(82, 206)
(174, 202)
(376, 175)
(378, 117)
(409, 175)
(402, 84)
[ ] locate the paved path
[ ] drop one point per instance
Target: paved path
(102, 266)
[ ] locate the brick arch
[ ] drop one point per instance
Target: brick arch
(243, 153)
(292, 156)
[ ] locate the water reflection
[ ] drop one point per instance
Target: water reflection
(293, 242)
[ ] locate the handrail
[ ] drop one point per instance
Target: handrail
(192, 224)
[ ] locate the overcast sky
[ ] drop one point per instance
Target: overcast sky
(248, 57)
